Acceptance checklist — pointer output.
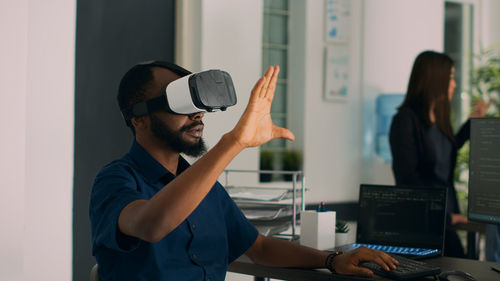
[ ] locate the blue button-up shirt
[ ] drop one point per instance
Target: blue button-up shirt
(200, 248)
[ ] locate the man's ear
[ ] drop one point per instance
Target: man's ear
(140, 123)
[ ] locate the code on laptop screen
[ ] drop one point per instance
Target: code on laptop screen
(401, 216)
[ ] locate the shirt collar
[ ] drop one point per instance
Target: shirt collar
(150, 168)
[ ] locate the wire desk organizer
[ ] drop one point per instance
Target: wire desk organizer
(273, 207)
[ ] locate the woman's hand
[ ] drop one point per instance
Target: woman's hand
(255, 126)
(458, 218)
(480, 108)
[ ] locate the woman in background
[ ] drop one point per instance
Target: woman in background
(424, 148)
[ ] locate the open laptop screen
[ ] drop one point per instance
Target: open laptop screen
(401, 216)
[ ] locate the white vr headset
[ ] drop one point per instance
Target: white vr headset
(206, 91)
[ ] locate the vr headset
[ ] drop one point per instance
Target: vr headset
(206, 91)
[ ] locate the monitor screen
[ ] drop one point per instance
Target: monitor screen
(401, 216)
(484, 170)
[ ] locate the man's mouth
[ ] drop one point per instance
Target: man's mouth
(196, 131)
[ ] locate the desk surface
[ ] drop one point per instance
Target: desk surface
(480, 270)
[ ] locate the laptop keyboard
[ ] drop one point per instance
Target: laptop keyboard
(407, 269)
(406, 251)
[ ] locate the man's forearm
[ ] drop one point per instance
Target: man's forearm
(281, 253)
(154, 218)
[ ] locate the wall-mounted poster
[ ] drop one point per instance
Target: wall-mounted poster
(337, 20)
(336, 81)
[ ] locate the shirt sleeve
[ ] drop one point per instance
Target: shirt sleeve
(404, 151)
(115, 187)
(463, 134)
(240, 232)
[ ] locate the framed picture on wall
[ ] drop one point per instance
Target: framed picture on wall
(337, 21)
(336, 80)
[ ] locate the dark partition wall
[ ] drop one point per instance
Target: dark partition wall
(111, 36)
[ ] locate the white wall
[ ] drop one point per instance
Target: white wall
(37, 78)
(13, 142)
(490, 23)
(332, 129)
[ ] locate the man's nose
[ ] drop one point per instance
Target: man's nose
(196, 116)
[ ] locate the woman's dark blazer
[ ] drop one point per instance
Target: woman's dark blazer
(414, 155)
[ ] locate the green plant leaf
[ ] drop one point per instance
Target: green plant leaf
(341, 227)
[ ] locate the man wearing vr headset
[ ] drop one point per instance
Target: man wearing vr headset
(155, 217)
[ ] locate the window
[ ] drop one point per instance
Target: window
(275, 48)
(458, 44)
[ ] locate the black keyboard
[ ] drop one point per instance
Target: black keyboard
(407, 269)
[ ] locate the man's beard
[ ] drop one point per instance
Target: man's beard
(174, 138)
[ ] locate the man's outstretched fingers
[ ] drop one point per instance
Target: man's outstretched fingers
(272, 84)
(267, 77)
(279, 132)
(258, 86)
(257, 90)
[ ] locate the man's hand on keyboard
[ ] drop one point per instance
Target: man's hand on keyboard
(348, 263)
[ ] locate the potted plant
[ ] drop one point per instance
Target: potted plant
(486, 79)
(341, 233)
(292, 161)
(485, 84)
(266, 164)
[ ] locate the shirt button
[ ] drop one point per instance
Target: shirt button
(193, 226)
(193, 256)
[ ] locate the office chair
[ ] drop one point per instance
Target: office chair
(93, 274)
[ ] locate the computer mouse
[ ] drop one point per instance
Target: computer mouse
(456, 275)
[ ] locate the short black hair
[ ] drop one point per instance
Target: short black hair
(136, 81)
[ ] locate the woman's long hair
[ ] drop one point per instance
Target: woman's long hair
(428, 88)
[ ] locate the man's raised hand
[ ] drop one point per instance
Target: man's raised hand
(255, 126)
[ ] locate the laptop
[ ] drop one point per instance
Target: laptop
(402, 220)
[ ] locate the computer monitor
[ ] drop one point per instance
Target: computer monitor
(409, 216)
(484, 170)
